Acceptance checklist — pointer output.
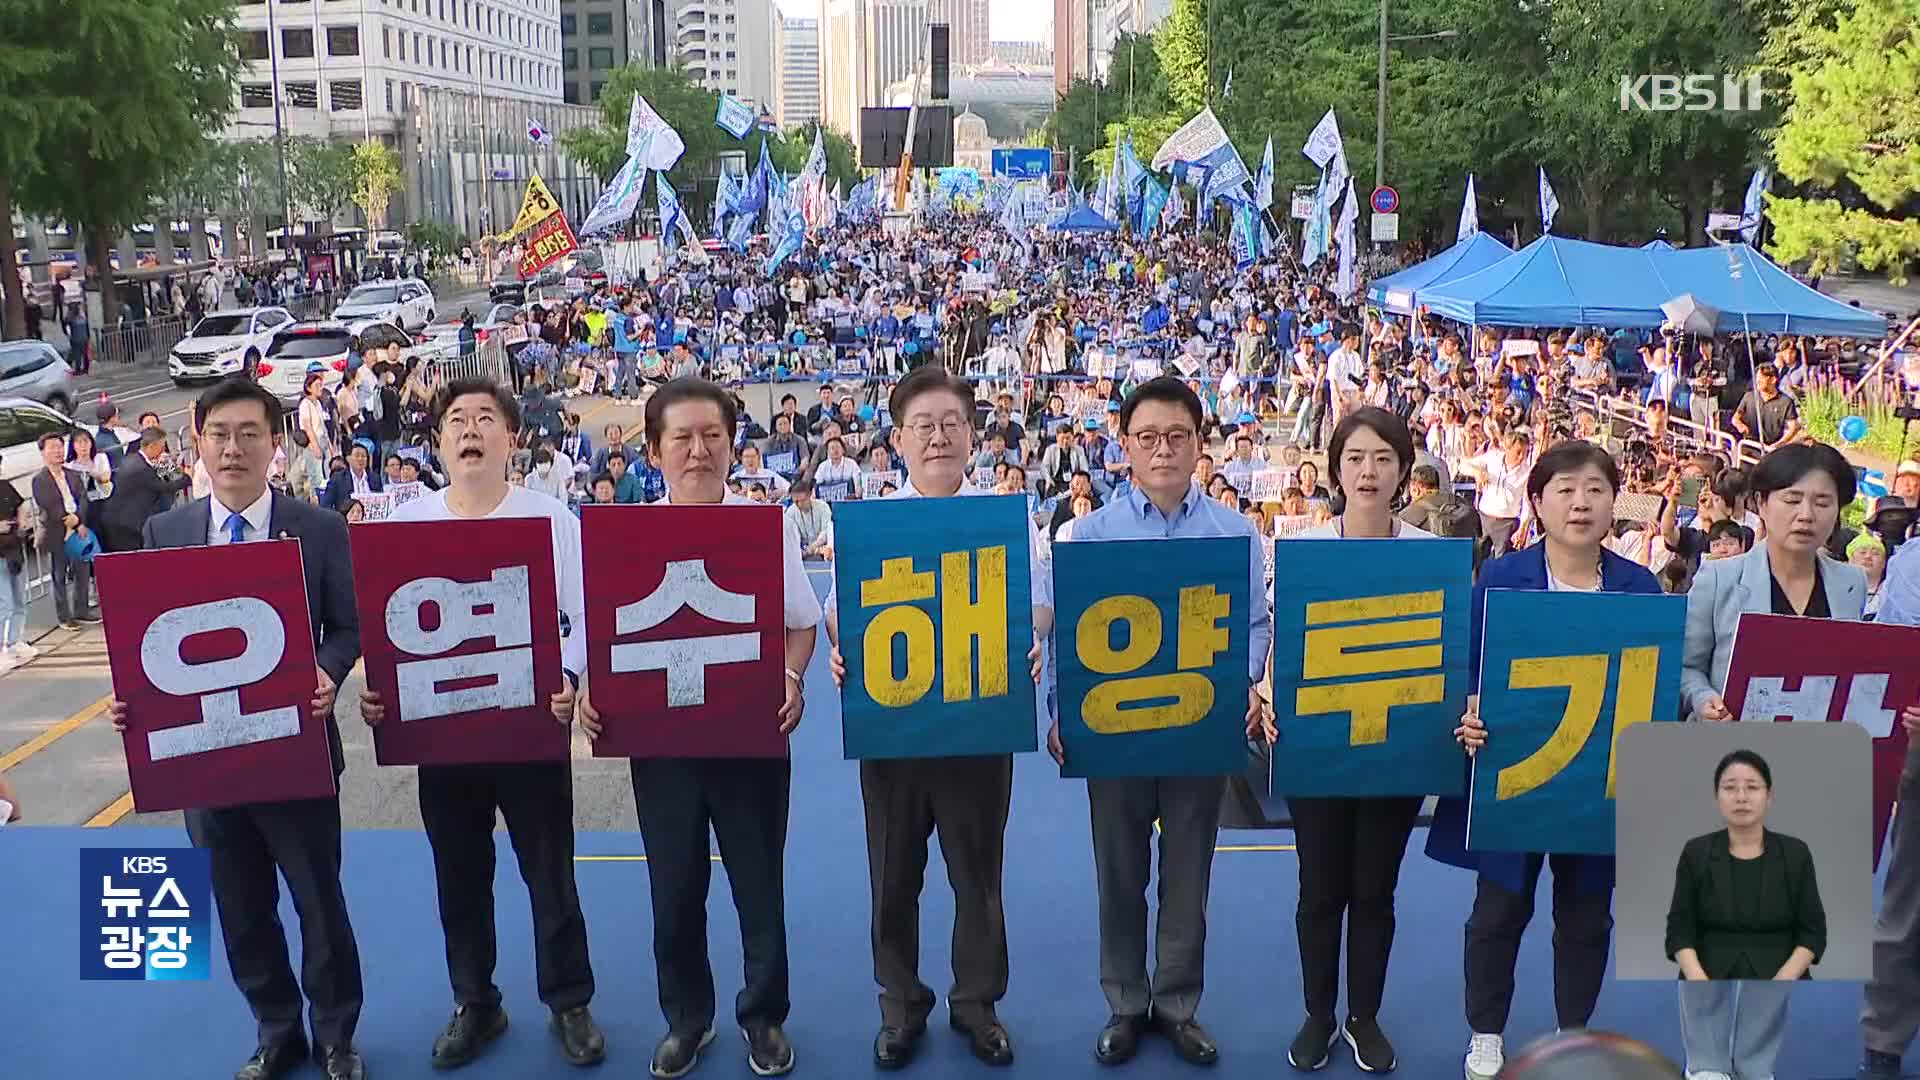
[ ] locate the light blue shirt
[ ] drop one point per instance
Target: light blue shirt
(1900, 588)
(1136, 518)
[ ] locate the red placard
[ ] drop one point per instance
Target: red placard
(687, 628)
(211, 648)
(548, 243)
(460, 630)
(1789, 668)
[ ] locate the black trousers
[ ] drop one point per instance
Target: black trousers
(744, 800)
(250, 848)
(1582, 932)
(458, 804)
(1350, 852)
(966, 798)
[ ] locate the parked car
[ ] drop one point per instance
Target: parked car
(507, 291)
(320, 345)
(225, 343)
(33, 369)
(22, 422)
(407, 302)
(493, 319)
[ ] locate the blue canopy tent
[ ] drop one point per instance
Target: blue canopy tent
(1083, 219)
(1752, 293)
(1398, 293)
(1657, 245)
(1557, 281)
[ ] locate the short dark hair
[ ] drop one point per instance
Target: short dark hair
(1424, 475)
(926, 380)
(455, 389)
(1746, 757)
(236, 388)
(1571, 457)
(1389, 427)
(1790, 464)
(51, 436)
(1730, 527)
(690, 388)
(611, 454)
(802, 486)
(149, 436)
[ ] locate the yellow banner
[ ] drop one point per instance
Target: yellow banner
(538, 205)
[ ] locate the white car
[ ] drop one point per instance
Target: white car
(300, 348)
(225, 343)
(408, 303)
(22, 422)
(492, 320)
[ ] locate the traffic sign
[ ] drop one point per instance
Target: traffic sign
(501, 174)
(1385, 200)
(1386, 228)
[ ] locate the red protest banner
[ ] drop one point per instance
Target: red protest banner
(687, 628)
(1789, 668)
(549, 242)
(211, 648)
(460, 631)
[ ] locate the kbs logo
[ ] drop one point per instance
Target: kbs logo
(1691, 93)
(145, 914)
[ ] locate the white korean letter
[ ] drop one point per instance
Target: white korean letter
(222, 725)
(685, 660)
(1769, 697)
(1866, 698)
(507, 622)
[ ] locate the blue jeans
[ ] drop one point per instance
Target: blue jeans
(13, 606)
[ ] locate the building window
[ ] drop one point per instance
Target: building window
(570, 92)
(256, 96)
(386, 43)
(599, 23)
(600, 59)
(345, 95)
(418, 56)
(444, 62)
(296, 44)
(597, 88)
(343, 41)
(389, 95)
(570, 57)
(303, 95)
(254, 45)
(569, 24)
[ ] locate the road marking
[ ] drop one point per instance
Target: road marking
(114, 811)
(53, 734)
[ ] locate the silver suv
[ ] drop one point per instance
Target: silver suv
(33, 369)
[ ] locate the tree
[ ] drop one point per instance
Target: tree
(1183, 44)
(376, 176)
(1851, 140)
(34, 98)
(322, 177)
(686, 106)
(154, 78)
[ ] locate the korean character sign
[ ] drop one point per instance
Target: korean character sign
(1370, 666)
(1562, 674)
(460, 629)
(212, 650)
(1152, 644)
(145, 914)
(687, 629)
(936, 619)
(1785, 667)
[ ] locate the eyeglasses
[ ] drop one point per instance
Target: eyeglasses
(1175, 440)
(247, 437)
(480, 421)
(952, 427)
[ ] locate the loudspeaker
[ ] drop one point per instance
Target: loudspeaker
(938, 43)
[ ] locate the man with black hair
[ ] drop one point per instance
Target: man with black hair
(142, 487)
(475, 421)
(253, 847)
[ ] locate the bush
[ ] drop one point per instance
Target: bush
(1822, 409)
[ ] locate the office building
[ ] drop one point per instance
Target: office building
(865, 47)
(1072, 43)
(797, 77)
(727, 46)
(969, 42)
(598, 37)
(1023, 53)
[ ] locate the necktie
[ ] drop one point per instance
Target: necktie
(237, 528)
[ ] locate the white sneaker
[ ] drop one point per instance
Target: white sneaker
(23, 652)
(1486, 1056)
(7, 663)
(1708, 1076)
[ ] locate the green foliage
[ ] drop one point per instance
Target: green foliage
(440, 240)
(321, 173)
(1182, 44)
(1851, 139)
(1822, 409)
(376, 176)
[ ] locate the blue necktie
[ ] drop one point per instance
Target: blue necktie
(237, 528)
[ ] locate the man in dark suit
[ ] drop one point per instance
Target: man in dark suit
(61, 494)
(360, 476)
(139, 493)
(253, 845)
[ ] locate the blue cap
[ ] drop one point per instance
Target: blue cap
(1093, 423)
(1113, 406)
(1247, 418)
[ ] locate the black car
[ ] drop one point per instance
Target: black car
(507, 291)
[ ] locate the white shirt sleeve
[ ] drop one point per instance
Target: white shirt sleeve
(573, 596)
(802, 607)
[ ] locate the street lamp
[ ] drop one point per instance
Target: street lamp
(1380, 111)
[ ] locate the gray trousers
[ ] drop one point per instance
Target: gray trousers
(1123, 813)
(1734, 1026)
(1892, 1012)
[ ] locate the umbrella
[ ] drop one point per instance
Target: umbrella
(1688, 314)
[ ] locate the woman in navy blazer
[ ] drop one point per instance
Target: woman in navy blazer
(1571, 490)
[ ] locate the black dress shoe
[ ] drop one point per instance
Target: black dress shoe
(894, 1047)
(343, 1063)
(472, 1029)
(678, 1053)
(580, 1038)
(273, 1060)
(1119, 1040)
(1190, 1041)
(987, 1039)
(768, 1051)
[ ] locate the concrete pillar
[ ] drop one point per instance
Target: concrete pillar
(198, 247)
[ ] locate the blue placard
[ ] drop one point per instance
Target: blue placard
(1152, 645)
(1370, 665)
(733, 116)
(935, 612)
(145, 914)
(1561, 675)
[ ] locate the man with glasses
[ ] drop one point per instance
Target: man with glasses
(965, 798)
(1160, 428)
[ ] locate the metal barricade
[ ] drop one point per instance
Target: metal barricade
(487, 361)
(146, 341)
(1687, 435)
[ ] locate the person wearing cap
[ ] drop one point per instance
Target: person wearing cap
(1869, 553)
(1891, 1015)
(1906, 483)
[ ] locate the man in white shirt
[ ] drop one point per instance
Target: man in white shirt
(690, 426)
(476, 421)
(966, 799)
(1502, 474)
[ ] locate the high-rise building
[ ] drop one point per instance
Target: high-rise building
(969, 42)
(727, 46)
(597, 39)
(865, 46)
(797, 78)
(1024, 53)
(1115, 17)
(1072, 43)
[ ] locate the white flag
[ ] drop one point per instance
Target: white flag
(1755, 206)
(1469, 215)
(1343, 284)
(1324, 142)
(650, 140)
(1549, 203)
